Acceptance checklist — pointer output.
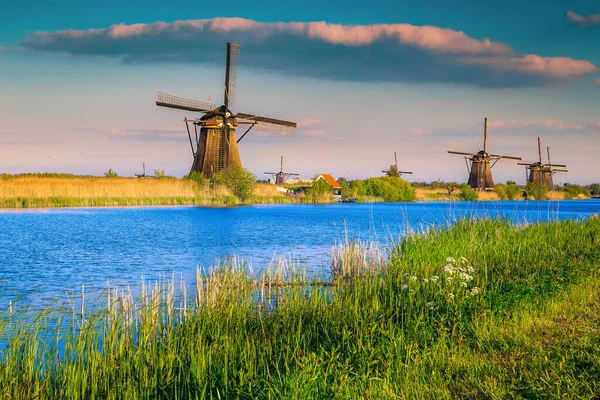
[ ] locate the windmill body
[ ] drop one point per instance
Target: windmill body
(481, 163)
(281, 177)
(541, 173)
(214, 142)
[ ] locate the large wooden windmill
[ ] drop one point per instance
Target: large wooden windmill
(397, 173)
(480, 170)
(214, 145)
(281, 177)
(540, 172)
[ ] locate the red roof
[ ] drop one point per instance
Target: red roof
(334, 184)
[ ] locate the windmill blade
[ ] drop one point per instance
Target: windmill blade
(462, 153)
(271, 173)
(507, 157)
(181, 103)
(404, 173)
(231, 69)
(268, 125)
(527, 164)
(560, 170)
(556, 165)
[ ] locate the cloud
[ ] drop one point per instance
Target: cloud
(547, 125)
(597, 82)
(311, 127)
(149, 134)
(420, 132)
(583, 21)
(367, 53)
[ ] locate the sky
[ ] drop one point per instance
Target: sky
(78, 82)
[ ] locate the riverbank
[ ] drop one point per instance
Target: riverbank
(55, 190)
(516, 317)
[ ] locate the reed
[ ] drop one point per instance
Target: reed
(476, 310)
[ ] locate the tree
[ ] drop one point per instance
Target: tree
(393, 171)
(237, 179)
(595, 188)
(110, 173)
(159, 173)
(538, 190)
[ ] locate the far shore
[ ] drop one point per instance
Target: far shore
(51, 191)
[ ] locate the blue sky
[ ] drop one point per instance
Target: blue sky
(83, 102)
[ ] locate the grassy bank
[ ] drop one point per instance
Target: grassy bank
(54, 190)
(516, 318)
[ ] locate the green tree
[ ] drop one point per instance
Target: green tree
(538, 190)
(159, 173)
(237, 179)
(110, 173)
(393, 171)
(390, 189)
(595, 188)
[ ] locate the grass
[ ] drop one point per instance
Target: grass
(59, 190)
(516, 318)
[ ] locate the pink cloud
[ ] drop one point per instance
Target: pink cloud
(419, 53)
(420, 131)
(159, 133)
(597, 82)
(583, 21)
(544, 124)
(311, 127)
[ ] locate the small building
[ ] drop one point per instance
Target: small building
(336, 188)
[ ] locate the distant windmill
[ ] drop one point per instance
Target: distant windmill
(480, 170)
(143, 174)
(281, 177)
(540, 172)
(215, 147)
(397, 173)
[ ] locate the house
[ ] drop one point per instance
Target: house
(336, 188)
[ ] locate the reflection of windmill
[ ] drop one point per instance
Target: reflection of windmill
(398, 173)
(215, 144)
(540, 172)
(480, 171)
(281, 177)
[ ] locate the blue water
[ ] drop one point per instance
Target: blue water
(49, 253)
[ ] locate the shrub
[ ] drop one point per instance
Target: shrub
(467, 193)
(512, 190)
(538, 190)
(159, 173)
(595, 188)
(390, 189)
(500, 190)
(197, 177)
(110, 173)
(237, 179)
(573, 191)
(360, 187)
(319, 187)
(393, 171)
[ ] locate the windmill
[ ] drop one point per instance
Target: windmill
(397, 173)
(281, 177)
(480, 170)
(214, 146)
(540, 172)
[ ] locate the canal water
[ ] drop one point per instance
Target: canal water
(48, 254)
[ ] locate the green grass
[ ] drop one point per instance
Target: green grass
(525, 325)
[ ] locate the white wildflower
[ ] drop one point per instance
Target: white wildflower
(470, 269)
(434, 278)
(465, 277)
(464, 260)
(475, 291)
(450, 296)
(411, 291)
(449, 279)
(425, 280)
(405, 274)
(430, 304)
(463, 284)
(413, 278)
(404, 287)
(451, 260)
(449, 269)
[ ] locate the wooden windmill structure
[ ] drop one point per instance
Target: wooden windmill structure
(214, 145)
(540, 172)
(281, 177)
(481, 163)
(398, 173)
